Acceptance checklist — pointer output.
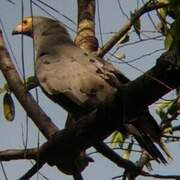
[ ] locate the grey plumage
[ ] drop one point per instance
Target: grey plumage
(78, 81)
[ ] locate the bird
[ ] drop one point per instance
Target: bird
(79, 81)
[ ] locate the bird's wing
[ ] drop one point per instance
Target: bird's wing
(86, 84)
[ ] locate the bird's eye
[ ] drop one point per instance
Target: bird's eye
(25, 22)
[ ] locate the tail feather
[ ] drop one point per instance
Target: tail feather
(152, 130)
(165, 149)
(146, 143)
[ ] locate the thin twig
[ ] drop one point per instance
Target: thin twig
(177, 177)
(11, 2)
(4, 172)
(127, 26)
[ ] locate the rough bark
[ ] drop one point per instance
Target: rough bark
(86, 38)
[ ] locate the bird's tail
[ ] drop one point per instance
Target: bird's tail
(151, 128)
(146, 143)
(165, 149)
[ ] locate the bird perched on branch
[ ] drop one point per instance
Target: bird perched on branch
(77, 81)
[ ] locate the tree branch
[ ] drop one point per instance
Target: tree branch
(16, 154)
(127, 26)
(155, 83)
(42, 121)
(85, 37)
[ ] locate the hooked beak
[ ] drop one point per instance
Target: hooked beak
(24, 27)
(18, 30)
(14, 32)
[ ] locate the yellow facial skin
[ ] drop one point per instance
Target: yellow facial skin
(24, 27)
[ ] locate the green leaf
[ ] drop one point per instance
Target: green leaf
(168, 41)
(2, 90)
(164, 1)
(163, 105)
(149, 166)
(168, 129)
(162, 12)
(127, 152)
(5, 88)
(31, 82)
(163, 115)
(117, 139)
(165, 149)
(173, 34)
(8, 107)
(120, 56)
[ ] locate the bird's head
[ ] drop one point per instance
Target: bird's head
(47, 33)
(24, 27)
(29, 25)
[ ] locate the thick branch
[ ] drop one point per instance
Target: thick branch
(44, 123)
(85, 38)
(127, 26)
(16, 154)
(155, 83)
(105, 150)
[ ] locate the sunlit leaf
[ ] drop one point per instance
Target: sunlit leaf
(162, 114)
(127, 152)
(162, 12)
(162, 109)
(117, 138)
(149, 166)
(2, 90)
(164, 1)
(168, 130)
(168, 41)
(163, 105)
(120, 56)
(165, 149)
(8, 107)
(5, 88)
